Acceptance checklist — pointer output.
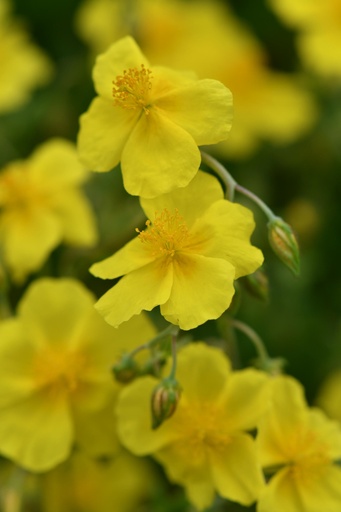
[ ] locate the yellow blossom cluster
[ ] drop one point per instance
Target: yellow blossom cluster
(94, 395)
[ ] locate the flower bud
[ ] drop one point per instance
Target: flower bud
(164, 400)
(257, 285)
(284, 244)
(126, 369)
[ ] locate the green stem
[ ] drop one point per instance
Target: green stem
(232, 186)
(222, 172)
(174, 357)
(253, 336)
(170, 330)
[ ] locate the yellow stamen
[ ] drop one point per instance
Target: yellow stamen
(131, 90)
(167, 235)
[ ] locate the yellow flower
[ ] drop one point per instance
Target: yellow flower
(23, 65)
(203, 446)
(319, 36)
(303, 444)
(41, 205)
(205, 37)
(193, 248)
(55, 381)
(150, 120)
(121, 484)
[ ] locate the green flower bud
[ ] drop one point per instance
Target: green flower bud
(126, 369)
(284, 244)
(164, 400)
(257, 285)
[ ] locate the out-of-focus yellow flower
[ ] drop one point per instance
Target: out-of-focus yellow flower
(206, 37)
(150, 120)
(329, 396)
(186, 260)
(120, 484)
(304, 217)
(41, 205)
(23, 65)
(55, 381)
(204, 445)
(302, 444)
(319, 38)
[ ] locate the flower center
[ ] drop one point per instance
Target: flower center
(131, 90)
(59, 371)
(166, 235)
(201, 428)
(310, 460)
(18, 192)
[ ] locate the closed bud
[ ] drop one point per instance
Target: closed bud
(165, 398)
(126, 369)
(284, 244)
(257, 285)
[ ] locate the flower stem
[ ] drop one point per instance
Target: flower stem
(170, 330)
(256, 340)
(222, 172)
(232, 185)
(174, 357)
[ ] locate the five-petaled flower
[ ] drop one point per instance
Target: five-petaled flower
(42, 205)
(204, 446)
(302, 445)
(150, 120)
(56, 388)
(186, 259)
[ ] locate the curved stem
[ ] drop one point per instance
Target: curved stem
(170, 330)
(232, 185)
(222, 172)
(253, 336)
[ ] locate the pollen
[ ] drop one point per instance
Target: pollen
(166, 235)
(131, 90)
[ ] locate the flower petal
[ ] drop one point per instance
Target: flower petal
(326, 491)
(158, 157)
(104, 130)
(16, 355)
(203, 109)
(120, 56)
(77, 218)
(46, 302)
(196, 360)
(28, 239)
(232, 226)
(36, 433)
(236, 471)
(131, 257)
(281, 495)
(246, 395)
(288, 411)
(144, 288)
(203, 188)
(196, 480)
(202, 290)
(134, 419)
(56, 163)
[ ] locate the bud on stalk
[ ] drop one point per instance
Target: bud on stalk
(126, 369)
(284, 244)
(164, 400)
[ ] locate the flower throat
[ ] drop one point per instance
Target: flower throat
(131, 90)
